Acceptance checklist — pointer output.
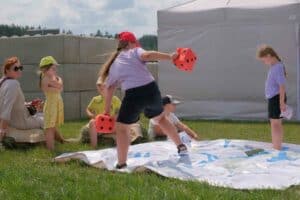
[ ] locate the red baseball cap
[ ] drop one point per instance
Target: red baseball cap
(129, 37)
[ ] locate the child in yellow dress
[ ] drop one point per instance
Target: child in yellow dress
(52, 86)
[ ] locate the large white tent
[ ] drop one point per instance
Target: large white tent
(228, 82)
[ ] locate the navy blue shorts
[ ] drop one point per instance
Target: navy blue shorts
(274, 107)
(145, 99)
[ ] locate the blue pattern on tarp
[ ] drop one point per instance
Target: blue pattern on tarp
(147, 155)
(285, 148)
(139, 155)
(248, 147)
(226, 143)
(186, 161)
(282, 156)
(210, 158)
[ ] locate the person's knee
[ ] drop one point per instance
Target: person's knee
(120, 127)
(92, 122)
(160, 119)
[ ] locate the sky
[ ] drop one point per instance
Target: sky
(86, 16)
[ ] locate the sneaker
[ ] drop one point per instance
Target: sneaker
(182, 149)
(121, 166)
(185, 139)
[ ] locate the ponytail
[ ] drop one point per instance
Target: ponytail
(104, 71)
(265, 50)
(41, 73)
(40, 80)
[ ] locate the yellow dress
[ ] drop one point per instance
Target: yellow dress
(53, 110)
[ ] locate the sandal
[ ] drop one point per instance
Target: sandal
(182, 149)
(121, 166)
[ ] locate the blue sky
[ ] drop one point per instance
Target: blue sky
(86, 16)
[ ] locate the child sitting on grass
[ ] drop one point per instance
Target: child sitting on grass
(96, 107)
(169, 104)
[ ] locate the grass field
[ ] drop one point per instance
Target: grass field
(30, 174)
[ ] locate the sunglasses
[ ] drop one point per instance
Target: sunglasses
(17, 68)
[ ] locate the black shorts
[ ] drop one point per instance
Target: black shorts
(145, 99)
(274, 107)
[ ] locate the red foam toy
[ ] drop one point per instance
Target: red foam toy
(104, 124)
(186, 59)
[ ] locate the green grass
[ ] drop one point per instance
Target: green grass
(31, 174)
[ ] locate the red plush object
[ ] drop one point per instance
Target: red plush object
(186, 59)
(104, 124)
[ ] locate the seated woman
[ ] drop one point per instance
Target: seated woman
(170, 107)
(96, 107)
(13, 112)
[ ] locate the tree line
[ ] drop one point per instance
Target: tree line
(148, 42)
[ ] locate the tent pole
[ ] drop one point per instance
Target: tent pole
(298, 69)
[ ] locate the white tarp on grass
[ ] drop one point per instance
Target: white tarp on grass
(220, 162)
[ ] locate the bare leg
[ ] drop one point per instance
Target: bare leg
(50, 135)
(59, 137)
(93, 134)
(277, 133)
(168, 128)
(123, 141)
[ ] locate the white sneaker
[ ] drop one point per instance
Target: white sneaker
(288, 113)
(185, 139)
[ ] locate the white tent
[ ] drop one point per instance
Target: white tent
(228, 82)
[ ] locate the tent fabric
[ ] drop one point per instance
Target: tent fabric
(239, 164)
(228, 81)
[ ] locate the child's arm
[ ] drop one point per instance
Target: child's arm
(181, 126)
(46, 86)
(108, 98)
(155, 55)
(282, 97)
(56, 83)
(90, 114)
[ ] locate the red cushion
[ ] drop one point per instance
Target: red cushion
(104, 123)
(186, 59)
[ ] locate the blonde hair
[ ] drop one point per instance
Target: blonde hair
(104, 71)
(265, 50)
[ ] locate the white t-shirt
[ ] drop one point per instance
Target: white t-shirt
(129, 71)
(171, 117)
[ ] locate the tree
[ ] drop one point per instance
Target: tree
(69, 32)
(99, 34)
(107, 35)
(149, 42)
(10, 30)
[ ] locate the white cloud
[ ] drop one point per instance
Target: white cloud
(86, 16)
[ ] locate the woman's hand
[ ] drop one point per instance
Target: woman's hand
(282, 107)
